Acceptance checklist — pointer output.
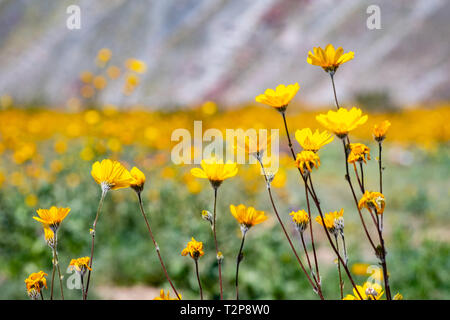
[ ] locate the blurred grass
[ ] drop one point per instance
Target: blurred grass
(416, 221)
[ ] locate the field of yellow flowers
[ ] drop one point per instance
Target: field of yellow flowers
(47, 157)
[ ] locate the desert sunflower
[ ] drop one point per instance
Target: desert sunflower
(342, 121)
(330, 58)
(280, 97)
(310, 141)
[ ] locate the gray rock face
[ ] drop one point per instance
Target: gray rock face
(226, 51)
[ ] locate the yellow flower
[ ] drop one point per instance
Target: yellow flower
(111, 175)
(104, 55)
(86, 76)
(301, 219)
(81, 265)
(360, 269)
(342, 121)
(254, 144)
(99, 82)
(280, 97)
(372, 200)
(369, 291)
(113, 72)
(312, 142)
(329, 59)
(194, 249)
(398, 296)
(334, 221)
(52, 217)
(215, 171)
(136, 65)
(35, 282)
(138, 179)
(163, 296)
(358, 152)
(307, 159)
(379, 130)
(49, 236)
(247, 217)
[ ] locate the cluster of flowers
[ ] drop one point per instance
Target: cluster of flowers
(112, 175)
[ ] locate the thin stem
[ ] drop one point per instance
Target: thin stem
(238, 261)
(317, 203)
(155, 244)
(219, 261)
(306, 251)
(362, 177)
(82, 286)
(53, 274)
(339, 270)
(334, 90)
(380, 168)
(198, 278)
(361, 187)
(56, 264)
(383, 263)
(100, 205)
(42, 295)
(288, 136)
(59, 275)
(318, 289)
(312, 233)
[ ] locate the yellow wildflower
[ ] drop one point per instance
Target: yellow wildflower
(307, 159)
(52, 217)
(247, 217)
(86, 76)
(379, 130)
(215, 170)
(334, 221)
(360, 269)
(372, 200)
(49, 236)
(163, 296)
(113, 72)
(301, 219)
(342, 121)
(104, 55)
(138, 179)
(99, 82)
(329, 59)
(280, 97)
(80, 265)
(111, 175)
(369, 291)
(398, 296)
(254, 144)
(194, 249)
(35, 282)
(136, 65)
(312, 141)
(358, 152)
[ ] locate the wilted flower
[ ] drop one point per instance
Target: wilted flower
(280, 97)
(301, 219)
(372, 200)
(35, 282)
(215, 171)
(312, 141)
(358, 152)
(308, 160)
(111, 175)
(369, 291)
(342, 121)
(247, 217)
(379, 130)
(329, 59)
(52, 217)
(194, 249)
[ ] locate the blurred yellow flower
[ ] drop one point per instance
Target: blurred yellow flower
(313, 141)
(86, 76)
(52, 217)
(301, 219)
(254, 144)
(99, 82)
(308, 160)
(209, 108)
(111, 175)
(194, 249)
(87, 154)
(398, 296)
(358, 152)
(247, 217)
(342, 121)
(360, 269)
(379, 130)
(280, 97)
(138, 179)
(372, 200)
(369, 291)
(87, 91)
(329, 59)
(136, 65)
(92, 117)
(113, 72)
(31, 200)
(104, 55)
(215, 170)
(163, 296)
(60, 146)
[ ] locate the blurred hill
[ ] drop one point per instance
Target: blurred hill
(226, 51)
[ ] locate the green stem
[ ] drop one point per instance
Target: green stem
(238, 261)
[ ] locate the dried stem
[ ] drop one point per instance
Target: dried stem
(341, 283)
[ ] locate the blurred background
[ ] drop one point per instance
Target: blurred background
(135, 71)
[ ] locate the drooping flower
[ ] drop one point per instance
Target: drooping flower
(307, 160)
(379, 130)
(301, 219)
(280, 97)
(80, 265)
(333, 221)
(194, 249)
(369, 291)
(312, 141)
(329, 59)
(49, 236)
(138, 179)
(34, 283)
(163, 296)
(372, 200)
(215, 170)
(247, 217)
(52, 217)
(111, 175)
(358, 152)
(342, 121)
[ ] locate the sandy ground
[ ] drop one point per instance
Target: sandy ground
(138, 292)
